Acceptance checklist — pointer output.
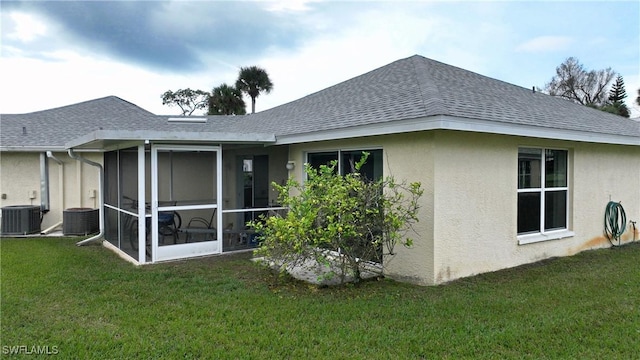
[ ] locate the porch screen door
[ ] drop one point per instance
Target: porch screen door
(186, 195)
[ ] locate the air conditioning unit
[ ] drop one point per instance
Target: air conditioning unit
(80, 221)
(20, 220)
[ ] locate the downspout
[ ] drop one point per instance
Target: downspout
(60, 190)
(44, 187)
(100, 197)
(44, 184)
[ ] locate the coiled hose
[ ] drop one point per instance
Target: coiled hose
(615, 221)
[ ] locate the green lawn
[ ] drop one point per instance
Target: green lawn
(85, 302)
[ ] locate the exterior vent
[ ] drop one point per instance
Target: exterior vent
(187, 119)
(80, 221)
(20, 220)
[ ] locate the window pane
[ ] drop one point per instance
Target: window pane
(529, 168)
(371, 170)
(528, 212)
(555, 168)
(555, 210)
(323, 158)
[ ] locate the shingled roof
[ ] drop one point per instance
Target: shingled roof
(51, 129)
(421, 90)
(411, 94)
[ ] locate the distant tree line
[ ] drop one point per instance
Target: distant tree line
(590, 87)
(593, 88)
(223, 99)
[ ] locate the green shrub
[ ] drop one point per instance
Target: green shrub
(343, 222)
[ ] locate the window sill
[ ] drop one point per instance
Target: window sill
(534, 238)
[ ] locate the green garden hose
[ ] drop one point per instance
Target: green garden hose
(615, 221)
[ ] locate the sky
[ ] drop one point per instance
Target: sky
(64, 52)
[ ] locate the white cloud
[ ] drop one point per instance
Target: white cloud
(631, 86)
(27, 28)
(287, 5)
(545, 44)
(375, 38)
(79, 77)
(338, 43)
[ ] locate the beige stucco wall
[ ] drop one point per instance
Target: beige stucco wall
(410, 157)
(468, 215)
(476, 200)
(20, 176)
(609, 173)
(406, 157)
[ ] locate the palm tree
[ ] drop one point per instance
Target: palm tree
(226, 100)
(253, 80)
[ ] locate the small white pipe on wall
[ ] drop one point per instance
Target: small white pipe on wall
(44, 185)
(79, 181)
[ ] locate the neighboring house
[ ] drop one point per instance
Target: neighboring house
(28, 141)
(511, 176)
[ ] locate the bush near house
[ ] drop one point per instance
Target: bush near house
(343, 222)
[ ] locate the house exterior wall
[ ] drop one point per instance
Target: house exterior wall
(609, 173)
(406, 157)
(19, 175)
(71, 184)
(411, 157)
(468, 214)
(475, 202)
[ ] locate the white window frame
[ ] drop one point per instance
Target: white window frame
(554, 234)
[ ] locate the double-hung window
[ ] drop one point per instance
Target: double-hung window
(543, 194)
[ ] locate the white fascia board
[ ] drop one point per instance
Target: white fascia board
(32, 148)
(492, 127)
(170, 136)
(442, 122)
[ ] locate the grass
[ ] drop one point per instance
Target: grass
(85, 302)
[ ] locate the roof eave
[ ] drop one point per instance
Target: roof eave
(444, 122)
(98, 139)
(32, 148)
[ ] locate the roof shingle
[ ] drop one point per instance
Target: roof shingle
(418, 87)
(415, 88)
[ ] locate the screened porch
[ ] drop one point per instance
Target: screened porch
(195, 200)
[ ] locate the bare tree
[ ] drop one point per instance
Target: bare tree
(572, 81)
(186, 99)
